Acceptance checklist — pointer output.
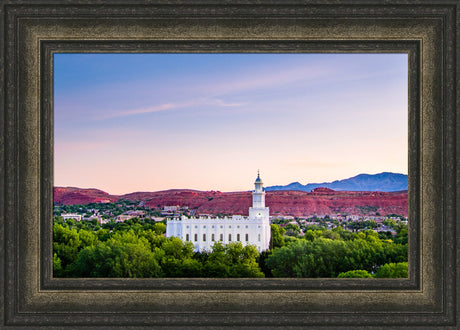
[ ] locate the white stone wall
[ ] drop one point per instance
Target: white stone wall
(200, 231)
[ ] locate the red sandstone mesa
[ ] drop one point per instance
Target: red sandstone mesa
(320, 201)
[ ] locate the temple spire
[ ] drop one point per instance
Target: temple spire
(258, 195)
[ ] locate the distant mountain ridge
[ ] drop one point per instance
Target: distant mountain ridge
(363, 194)
(385, 181)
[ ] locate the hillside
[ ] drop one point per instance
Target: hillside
(73, 195)
(295, 203)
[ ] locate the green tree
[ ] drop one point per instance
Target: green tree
(393, 270)
(359, 273)
(57, 268)
(276, 236)
(324, 257)
(401, 234)
(66, 244)
(311, 235)
(292, 229)
(160, 228)
(103, 235)
(216, 264)
(283, 259)
(345, 235)
(262, 259)
(123, 255)
(176, 260)
(385, 235)
(232, 260)
(389, 222)
(155, 240)
(87, 238)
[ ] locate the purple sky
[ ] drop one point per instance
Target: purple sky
(147, 122)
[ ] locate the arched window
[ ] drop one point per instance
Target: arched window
(259, 237)
(221, 237)
(212, 237)
(247, 237)
(229, 237)
(238, 237)
(187, 237)
(196, 237)
(204, 237)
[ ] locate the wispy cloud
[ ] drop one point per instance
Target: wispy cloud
(207, 90)
(255, 80)
(171, 106)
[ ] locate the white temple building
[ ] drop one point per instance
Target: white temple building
(203, 232)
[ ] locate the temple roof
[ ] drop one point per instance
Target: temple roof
(258, 178)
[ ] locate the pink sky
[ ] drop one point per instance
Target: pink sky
(147, 122)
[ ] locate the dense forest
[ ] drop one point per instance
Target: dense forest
(138, 248)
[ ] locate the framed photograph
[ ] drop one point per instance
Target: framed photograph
(153, 155)
(36, 36)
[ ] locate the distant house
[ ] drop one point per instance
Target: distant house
(129, 215)
(123, 217)
(74, 216)
(139, 214)
(171, 208)
(385, 229)
(283, 217)
(92, 217)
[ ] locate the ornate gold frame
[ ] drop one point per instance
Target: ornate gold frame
(33, 30)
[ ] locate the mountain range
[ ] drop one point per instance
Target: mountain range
(361, 197)
(385, 181)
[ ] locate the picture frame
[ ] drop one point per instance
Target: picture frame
(33, 31)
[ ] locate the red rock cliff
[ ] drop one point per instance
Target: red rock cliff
(320, 201)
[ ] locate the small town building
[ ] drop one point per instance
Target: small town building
(74, 216)
(173, 208)
(123, 217)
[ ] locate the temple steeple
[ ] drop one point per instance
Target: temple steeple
(258, 195)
